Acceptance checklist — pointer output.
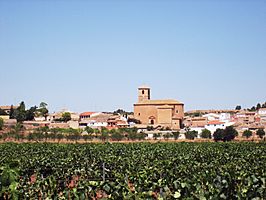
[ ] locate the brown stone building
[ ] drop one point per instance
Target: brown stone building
(165, 113)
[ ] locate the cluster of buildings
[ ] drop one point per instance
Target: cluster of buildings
(159, 114)
(220, 119)
(95, 120)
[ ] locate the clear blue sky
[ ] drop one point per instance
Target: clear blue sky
(92, 55)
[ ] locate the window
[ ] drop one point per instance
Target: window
(143, 92)
(176, 111)
(139, 114)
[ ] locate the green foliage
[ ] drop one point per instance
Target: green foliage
(156, 136)
(89, 130)
(176, 134)
(133, 171)
(225, 135)
(43, 111)
(191, 135)
(30, 114)
(167, 135)
(20, 113)
(150, 128)
(2, 112)
(206, 134)
(218, 135)
(238, 107)
(66, 116)
(230, 133)
(1, 123)
(117, 136)
(247, 133)
(260, 133)
(11, 113)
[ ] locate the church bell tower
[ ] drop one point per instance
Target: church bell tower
(144, 93)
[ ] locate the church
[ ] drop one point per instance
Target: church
(164, 113)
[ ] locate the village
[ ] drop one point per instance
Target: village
(155, 119)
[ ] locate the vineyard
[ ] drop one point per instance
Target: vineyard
(133, 171)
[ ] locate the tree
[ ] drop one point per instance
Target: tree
(30, 114)
(225, 135)
(141, 136)
(167, 135)
(2, 112)
(150, 128)
(205, 133)
(1, 123)
(20, 113)
(156, 135)
(218, 135)
(258, 106)
(89, 130)
(43, 111)
(176, 135)
(229, 133)
(104, 134)
(117, 136)
(238, 107)
(66, 116)
(247, 134)
(11, 113)
(260, 132)
(191, 135)
(253, 108)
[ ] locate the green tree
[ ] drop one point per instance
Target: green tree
(253, 108)
(247, 133)
(141, 136)
(229, 133)
(258, 106)
(89, 130)
(43, 110)
(150, 128)
(66, 116)
(206, 134)
(261, 133)
(167, 135)
(156, 136)
(11, 113)
(20, 113)
(191, 135)
(1, 123)
(238, 107)
(117, 136)
(176, 135)
(104, 134)
(2, 112)
(30, 114)
(218, 135)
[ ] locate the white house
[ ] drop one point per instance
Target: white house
(216, 124)
(262, 111)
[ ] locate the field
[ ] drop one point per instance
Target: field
(133, 171)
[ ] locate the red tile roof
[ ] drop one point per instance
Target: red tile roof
(87, 113)
(215, 122)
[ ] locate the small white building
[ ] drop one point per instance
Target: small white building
(216, 124)
(262, 111)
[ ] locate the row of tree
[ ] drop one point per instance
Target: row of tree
(253, 108)
(22, 114)
(227, 134)
(45, 133)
